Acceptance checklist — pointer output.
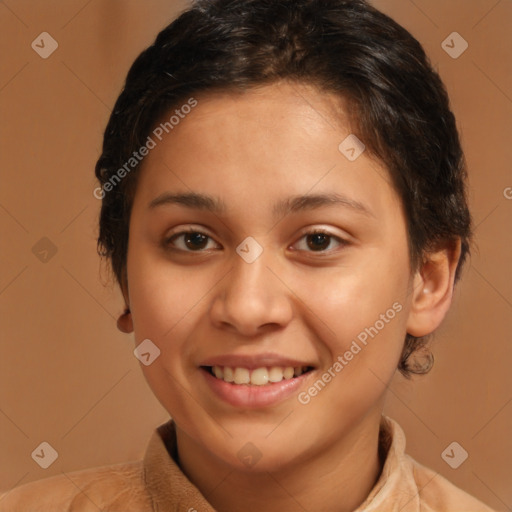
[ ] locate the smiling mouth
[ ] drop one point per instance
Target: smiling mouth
(257, 377)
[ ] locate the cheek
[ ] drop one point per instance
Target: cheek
(350, 299)
(368, 316)
(159, 300)
(162, 294)
(365, 312)
(163, 303)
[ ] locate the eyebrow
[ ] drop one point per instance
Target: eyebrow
(292, 204)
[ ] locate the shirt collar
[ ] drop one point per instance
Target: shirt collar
(171, 490)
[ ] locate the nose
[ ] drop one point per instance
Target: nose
(252, 299)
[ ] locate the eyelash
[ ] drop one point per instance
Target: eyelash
(168, 241)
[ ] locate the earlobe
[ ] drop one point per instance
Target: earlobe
(124, 322)
(433, 290)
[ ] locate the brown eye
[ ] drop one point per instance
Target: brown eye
(318, 241)
(195, 240)
(189, 241)
(321, 242)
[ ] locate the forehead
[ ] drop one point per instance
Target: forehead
(285, 104)
(280, 139)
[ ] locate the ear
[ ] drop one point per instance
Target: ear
(432, 291)
(125, 322)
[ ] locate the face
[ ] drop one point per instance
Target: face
(259, 252)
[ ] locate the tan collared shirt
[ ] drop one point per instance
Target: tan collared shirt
(157, 484)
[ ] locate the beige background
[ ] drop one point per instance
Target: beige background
(68, 377)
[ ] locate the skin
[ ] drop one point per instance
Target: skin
(199, 301)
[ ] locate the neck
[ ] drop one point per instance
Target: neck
(339, 477)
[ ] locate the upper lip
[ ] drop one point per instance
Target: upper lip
(251, 362)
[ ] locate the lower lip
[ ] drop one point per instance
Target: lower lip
(250, 396)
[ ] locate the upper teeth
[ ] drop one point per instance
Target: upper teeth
(258, 376)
